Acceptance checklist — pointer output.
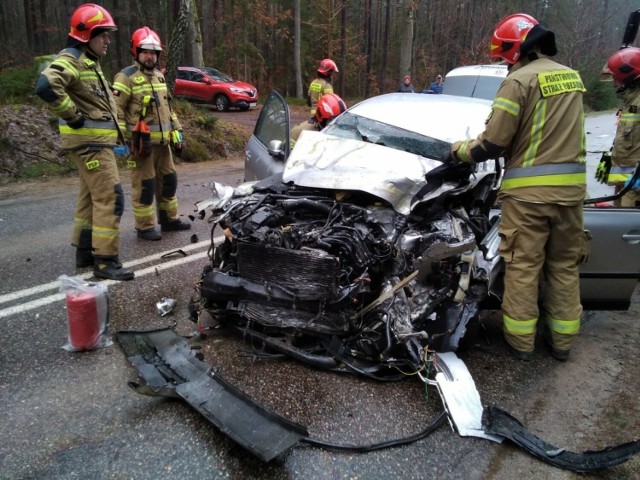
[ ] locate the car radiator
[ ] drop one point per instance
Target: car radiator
(307, 273)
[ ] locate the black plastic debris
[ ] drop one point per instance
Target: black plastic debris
(499, 422)
(175, 252)
(170, 368)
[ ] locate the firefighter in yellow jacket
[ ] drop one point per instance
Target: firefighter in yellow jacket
(624, 67)
(144, 110)
(321, 85)
(537, 124)
(75, 89)
(328, 108)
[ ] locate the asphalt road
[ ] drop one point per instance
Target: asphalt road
(72, 415)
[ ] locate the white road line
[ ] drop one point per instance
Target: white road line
(139, 273)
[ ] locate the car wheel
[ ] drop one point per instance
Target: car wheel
(221, 103)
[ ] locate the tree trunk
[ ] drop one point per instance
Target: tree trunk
(343, 49)
(406, 41)
(193, 51)
(177, 43)
(296, 48)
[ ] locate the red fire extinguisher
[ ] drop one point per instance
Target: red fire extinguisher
(82, 316)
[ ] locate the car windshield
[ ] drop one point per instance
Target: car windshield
(476, 86)
(356, 127)
(217, 75)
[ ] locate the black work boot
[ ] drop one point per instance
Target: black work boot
(84, 257)
(84, 254)
(175, 225)
(150, 234)
(110, 268)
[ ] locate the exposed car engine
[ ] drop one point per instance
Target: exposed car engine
(343, 281)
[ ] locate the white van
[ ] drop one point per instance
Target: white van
(478, 81)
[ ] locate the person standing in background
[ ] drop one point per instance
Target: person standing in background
(624, 67)
(76, 91)
(406, 86)
(436, 87)
(143, 101)
(322, 84)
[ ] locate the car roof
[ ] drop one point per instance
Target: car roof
(444, 117)
(497, 70)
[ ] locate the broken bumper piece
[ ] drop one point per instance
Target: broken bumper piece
(499, 422)
(169, 368)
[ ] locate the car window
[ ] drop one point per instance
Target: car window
(218, 75)
(272, 123)
(197, 77)
(476, 86)
(356, 127)
(183, 75)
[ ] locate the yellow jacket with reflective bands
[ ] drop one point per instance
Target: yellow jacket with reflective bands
(317, 89)
(73, 86)
(538, 119)
(626, 146)
(142, 93)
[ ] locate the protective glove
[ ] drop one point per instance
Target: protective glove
(122, 150)
(635, 185)
(177, 140)
(77, 123)
(456, 149)
(603, 168)
(451, 159)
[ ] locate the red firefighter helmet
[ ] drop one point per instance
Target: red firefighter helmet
(329, 106)
(509, 35)
(327, 67)
(87, 18)
(624, 65)
(146, 39)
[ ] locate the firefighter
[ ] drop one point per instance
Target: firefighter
(624, 67)
(144, 111)
(537, 125)
(76, 91)
(329, 107)
(322, 84)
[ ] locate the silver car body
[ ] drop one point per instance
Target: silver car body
(327, 161)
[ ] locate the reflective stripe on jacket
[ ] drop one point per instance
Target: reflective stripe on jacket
(73, 86)
(626, 145)
(130, 87)
(317, 89)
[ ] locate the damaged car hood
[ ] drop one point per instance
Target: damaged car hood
(336, 163)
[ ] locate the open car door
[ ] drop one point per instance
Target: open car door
(268, 146)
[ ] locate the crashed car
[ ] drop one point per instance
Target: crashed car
(367, 251)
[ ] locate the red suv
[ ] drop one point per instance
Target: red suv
(209, 85)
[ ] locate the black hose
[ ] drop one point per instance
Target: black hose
(433, 426)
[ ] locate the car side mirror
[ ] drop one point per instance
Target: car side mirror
(276, 149)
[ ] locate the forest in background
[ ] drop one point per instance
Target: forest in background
(374, 42)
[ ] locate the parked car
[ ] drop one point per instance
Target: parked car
(476, 81)
(365, 247)
(209, 85)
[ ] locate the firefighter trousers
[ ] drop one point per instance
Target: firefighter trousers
(100, 201)
(154, 177)
(542, 246)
